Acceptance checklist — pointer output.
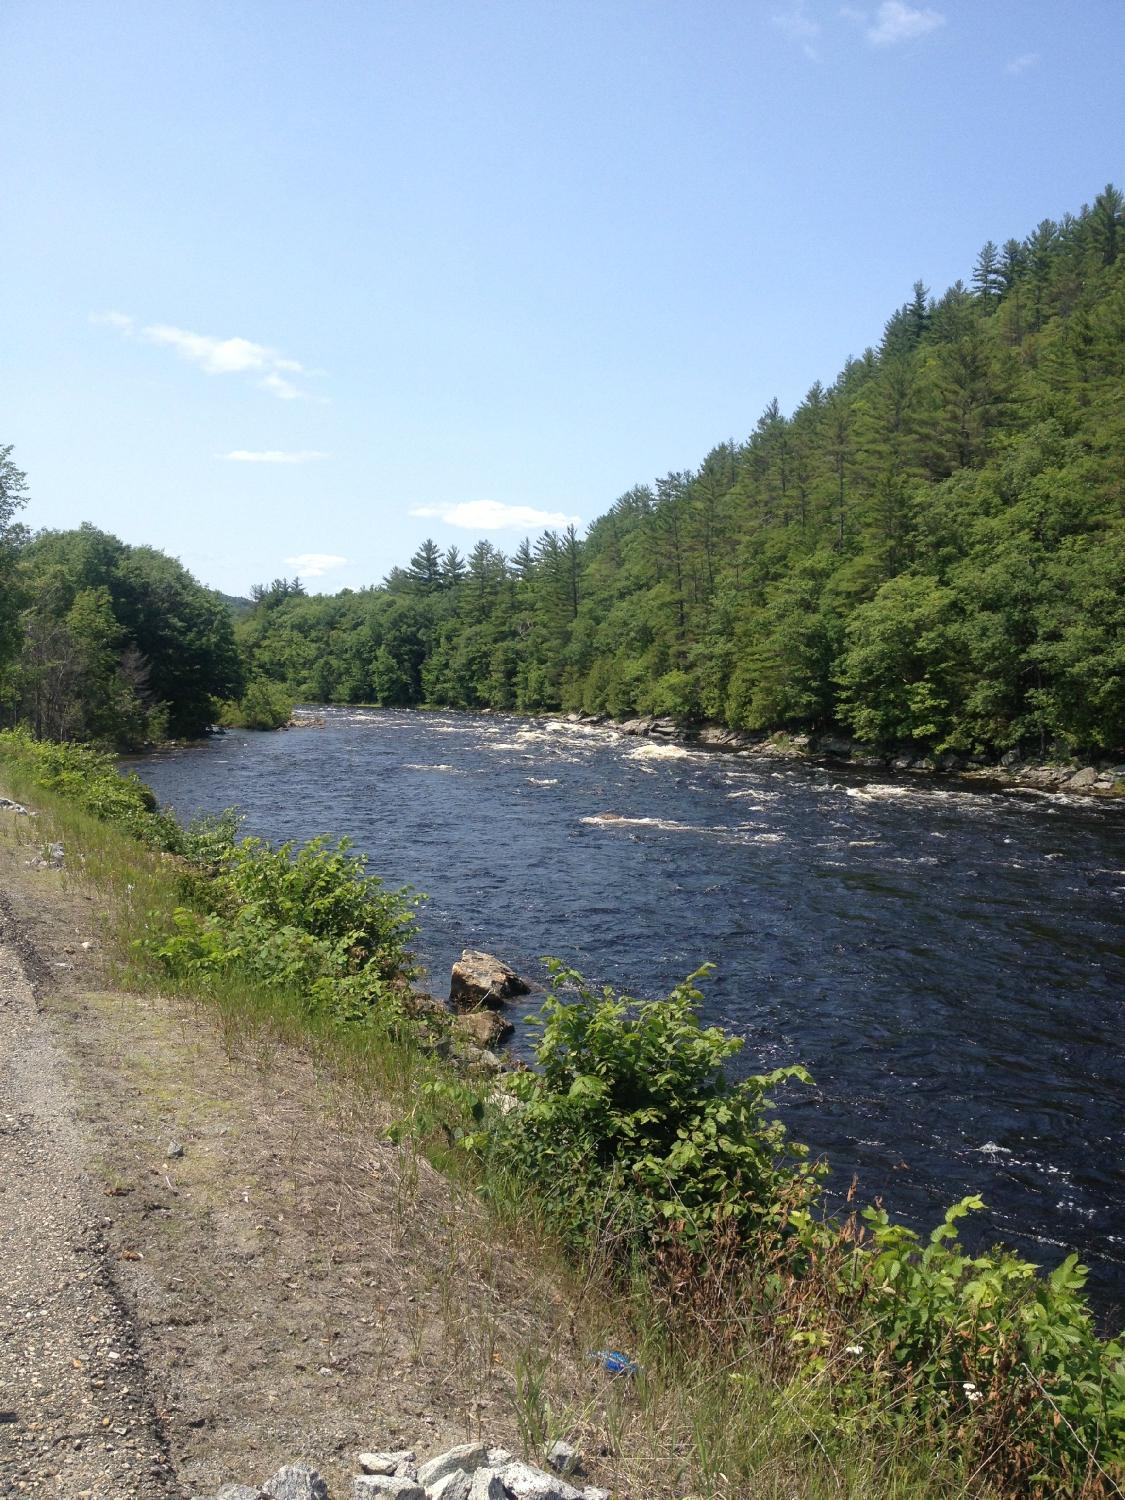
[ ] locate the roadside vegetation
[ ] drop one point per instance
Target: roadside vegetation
(780, 1350)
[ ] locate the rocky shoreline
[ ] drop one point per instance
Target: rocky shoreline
(1098, 779)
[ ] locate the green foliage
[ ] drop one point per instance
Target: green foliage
(119, 644)
(264, 705)
(631, 1118)
(310, 919)
(89, 778)
(930, 551)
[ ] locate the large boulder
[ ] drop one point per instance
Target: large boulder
(295, 1482)
(479, 979)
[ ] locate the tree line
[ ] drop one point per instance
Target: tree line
(930, 550)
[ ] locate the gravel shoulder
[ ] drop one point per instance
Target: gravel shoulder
(212, 1260)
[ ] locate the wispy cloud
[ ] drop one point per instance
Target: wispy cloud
(216, 356)
(895, 22)
(272, 456)
(493, 515)
(315, 564)
(800, 28)
(1021, 63)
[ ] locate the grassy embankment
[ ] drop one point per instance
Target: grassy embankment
(781, 1352)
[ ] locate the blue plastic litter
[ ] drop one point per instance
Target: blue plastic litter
(614, 1361)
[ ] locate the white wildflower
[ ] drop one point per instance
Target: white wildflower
(970, 1389)
(856, 1349)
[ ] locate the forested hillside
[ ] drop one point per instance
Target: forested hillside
(930, 549)
(103, 641)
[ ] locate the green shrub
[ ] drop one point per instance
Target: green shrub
(632, 1115)
(90, 779)
(264, 705)
(311, 920)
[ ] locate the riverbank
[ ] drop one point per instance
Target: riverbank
(786, 1423)
(1102, 778)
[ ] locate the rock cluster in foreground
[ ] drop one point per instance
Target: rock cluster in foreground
(472, 1471)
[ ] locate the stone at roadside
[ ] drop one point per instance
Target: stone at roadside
(482, 979)
(400, 1461)
(487, 1028)
(467, 1456)
(526, 1483)
(455, 1486)
(487, 1485)
(295, 1482)
(239, 1492)
(591, 1492)
(564, 1458)
(386, 1487)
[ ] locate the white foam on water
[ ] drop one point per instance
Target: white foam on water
(658, 752)
(446, 770)
(667, 824)
(542, 781)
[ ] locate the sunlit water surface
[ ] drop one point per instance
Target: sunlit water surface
(948, 963)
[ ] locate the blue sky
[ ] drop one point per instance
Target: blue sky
(290, 281)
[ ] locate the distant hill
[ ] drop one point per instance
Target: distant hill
(236, 604)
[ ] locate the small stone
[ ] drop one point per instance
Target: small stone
(525, 1483)
(591, 1492)
(467, 1456)
(395, 1462)
(564, 1458)
(498, 1457)
(174, 1151)
(487, 1485)
(455, 1486)
(294, 1482)
(387, 1486)
(239, 1492)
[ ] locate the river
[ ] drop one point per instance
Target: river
(949, 963)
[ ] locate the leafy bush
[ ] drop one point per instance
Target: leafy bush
(631, 1133)
(264, 705)
(90, 779)
(632, 1116)
(311, 919)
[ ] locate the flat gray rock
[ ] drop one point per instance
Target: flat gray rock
(397, 1461)
(455, 1486)
(467, 1456)
(526, 1483)
(294, 1482)
(239, 1492)
(386, 1487)
(487, 1485)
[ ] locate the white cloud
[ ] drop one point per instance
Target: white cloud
(493, 515)
(315, 564)
(217, 356)
(799, 28)
(272, 456)
(121, 321)
(896, 22)
(1021, 63)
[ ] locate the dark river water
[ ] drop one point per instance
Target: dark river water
(948, 963)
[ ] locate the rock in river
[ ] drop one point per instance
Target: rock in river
(480, 979)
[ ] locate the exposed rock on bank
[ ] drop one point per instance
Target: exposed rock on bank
(471, 1471)
(1012, 769)
(480, 979)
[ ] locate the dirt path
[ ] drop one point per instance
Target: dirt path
(73, 1389)
(212, 1259)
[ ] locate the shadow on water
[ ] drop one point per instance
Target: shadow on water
(948, 963)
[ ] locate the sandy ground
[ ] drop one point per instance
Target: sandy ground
(213, 1261)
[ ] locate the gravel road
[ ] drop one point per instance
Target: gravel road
(75, 1418)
